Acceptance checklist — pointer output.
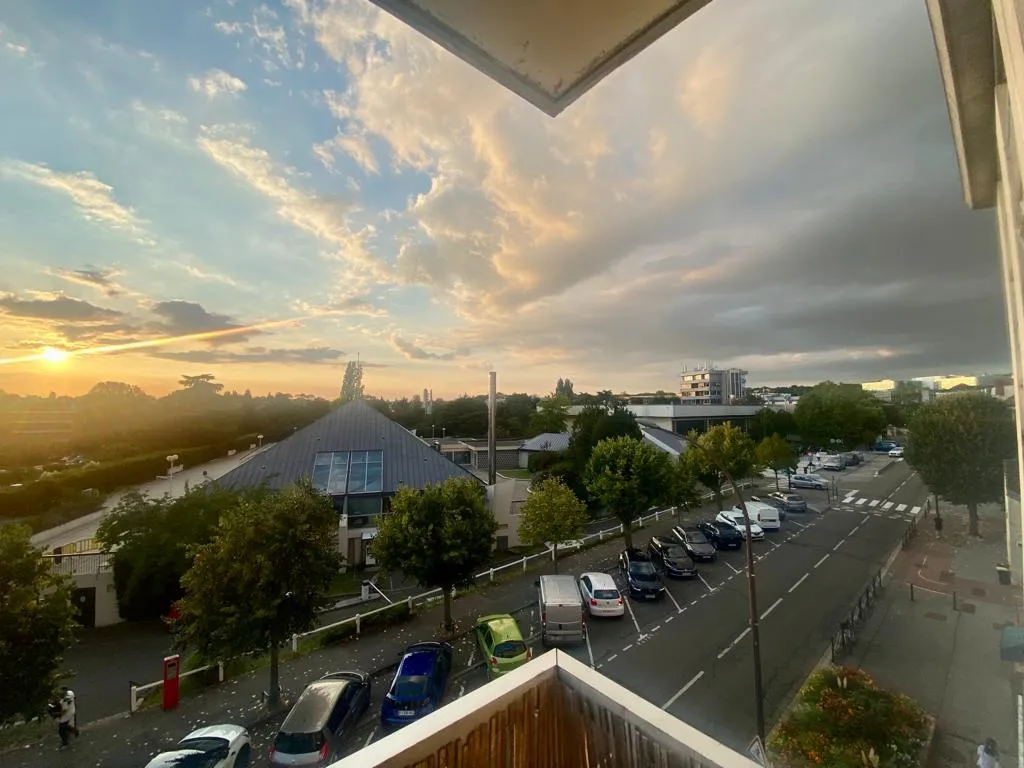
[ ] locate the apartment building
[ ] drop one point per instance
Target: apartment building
(712, 386)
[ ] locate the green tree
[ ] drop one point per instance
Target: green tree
(708, 475)
(36, 625)
(352, 383)
(684, 487)
(550, 416)
(721, 456)
(514, 415)
(152, 541)
(551, 512)
(261, 578)
(596, 423)
(563, 388)
(842, 412)
(777, 455)
(440, 536)
(627, 476)
(958, 444)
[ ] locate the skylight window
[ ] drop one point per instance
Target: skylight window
(341, 472)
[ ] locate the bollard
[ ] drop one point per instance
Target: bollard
(295, 643)
(492, 574)
(600, 535)
(408, 602)
(911, 592)
(954, 600)
(358, 624)
(524, 563)
(220, 670)
(657, 515)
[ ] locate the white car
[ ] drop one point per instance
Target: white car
(896, 453)
(601, 596)
(215, 746)
(735, 519)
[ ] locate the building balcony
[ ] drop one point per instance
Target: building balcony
(553, 712)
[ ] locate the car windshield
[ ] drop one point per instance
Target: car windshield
(510, 649)
(206, 744)
(696, 537)
(677, 553)
(606, 594)
(643, 571)
(410, 687)
(794, 498)
(298, 743)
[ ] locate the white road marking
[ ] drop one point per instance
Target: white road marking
(632, 615)
(821, 561)
(733, 644)
(669, 618)
(462, 690)
(771, 608)
(861, 502)
(798, 525)
(472, 655)
(693, 602)
(590, 651)
(900, 507)
(873, 503)
(838, 544)
(915, 510)
(656, 627)
(704, 582)
(627, 647)
(613, 657)
(369, 738)
(799, 582)
(734, 570)
(888, 505)
(856, 528)
(673, 599)
(772, 544)
(683, 690)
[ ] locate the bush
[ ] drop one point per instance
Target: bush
(841, 717)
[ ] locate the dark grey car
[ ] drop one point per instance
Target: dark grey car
(312, 734)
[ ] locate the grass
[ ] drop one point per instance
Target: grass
(518, 474)
(346, 583)
(15, 736)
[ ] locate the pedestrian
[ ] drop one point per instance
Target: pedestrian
(67, 720)
(988, 754)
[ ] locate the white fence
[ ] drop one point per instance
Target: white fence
(139, 692)
(432, 597)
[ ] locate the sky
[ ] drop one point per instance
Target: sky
(265, 191)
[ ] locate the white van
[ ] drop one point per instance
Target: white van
(763, 514)
(561, 610)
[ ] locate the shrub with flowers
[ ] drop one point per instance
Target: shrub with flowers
(843, 720)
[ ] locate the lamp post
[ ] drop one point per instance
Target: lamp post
(431, 430)
(260, 439)
(170, 473)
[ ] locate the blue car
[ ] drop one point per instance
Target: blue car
(419, 684)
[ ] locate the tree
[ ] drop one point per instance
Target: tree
(152, 541)
(722, 452)
(550, 416)
(684, 486)
(842, 412)
(563, 388)
(440, 536)
(551, 512)
(769, 422)
(352, 384)
(36, 625)
(514, 415)
(628, 476)
(203, 382)
(596, 423)
(958, 444)
(261, 578)
(776, 454)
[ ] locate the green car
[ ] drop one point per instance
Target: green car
(501, 643)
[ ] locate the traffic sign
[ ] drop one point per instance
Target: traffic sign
(756, 750)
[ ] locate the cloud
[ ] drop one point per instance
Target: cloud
(94, 199)
(299, 356)
(205, 274)
(413, 352)
(184, 318)
(100, 278)
(58, 307)
(267, 39)
(354, 146)
(358, 304)
(216, 83)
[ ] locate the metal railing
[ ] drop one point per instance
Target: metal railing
(79, 564)
(433, 597)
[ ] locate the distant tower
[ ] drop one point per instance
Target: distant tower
(428, 401)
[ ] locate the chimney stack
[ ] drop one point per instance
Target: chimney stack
(492, 449)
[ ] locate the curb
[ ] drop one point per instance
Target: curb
(887, 466)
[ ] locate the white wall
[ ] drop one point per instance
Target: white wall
(106, 595)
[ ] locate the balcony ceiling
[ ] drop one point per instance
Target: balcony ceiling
(550, 52)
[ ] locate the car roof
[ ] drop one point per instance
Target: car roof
(225, 731)
(502, 625)
(172, 758)
(600, 580)
(419, 661)
(666, 540)
(314, 706)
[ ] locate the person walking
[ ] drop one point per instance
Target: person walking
(67, 721)
(988, 754)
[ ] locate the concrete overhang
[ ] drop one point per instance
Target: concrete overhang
(550, 52)
(965, 43)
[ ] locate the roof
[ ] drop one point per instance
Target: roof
(314, 705)
(419, 662)
(547, 441)
(356, 426)
(667, 441)
(502, 624)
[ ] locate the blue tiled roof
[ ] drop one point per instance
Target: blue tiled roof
(547, 441)
(353, 427)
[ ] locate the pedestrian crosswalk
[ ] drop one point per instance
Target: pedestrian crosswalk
(852, 502)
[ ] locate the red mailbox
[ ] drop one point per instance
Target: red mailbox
(172, 669)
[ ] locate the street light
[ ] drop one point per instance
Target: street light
(260, 438)
(431, 430)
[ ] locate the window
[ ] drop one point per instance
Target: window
(341, 472)
(366, 472)
(330, 472)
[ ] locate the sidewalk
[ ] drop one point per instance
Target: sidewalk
(943, 650)
(127, 742)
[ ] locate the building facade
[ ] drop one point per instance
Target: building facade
(712, 386)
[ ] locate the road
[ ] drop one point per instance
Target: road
(85, 527)
(690, 653)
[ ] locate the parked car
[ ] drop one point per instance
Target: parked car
(215, 746)
(601, 596)
(814, 482)
(833, 464)
(419, 684)
(501, 644)
(853, 459)
(896, 453)
(671, 558)
(734, 517)
(765, 515)
(314, 731)
(561, 610)
(722, 535)
(696, 543)
(791, 502)
(779, 506)
(641, 576)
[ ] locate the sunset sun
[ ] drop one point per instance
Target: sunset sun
(53, 355)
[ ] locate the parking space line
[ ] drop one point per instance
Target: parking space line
(771, 608)
(369, 738)
(821, 561)
(673, 599)
(626, 648)
(656, 627)
(798, 525)
(838, 544)
(590, 650)
(693, 602)
(669, 618)
(683, 690)
(901, 507)
(613, 657)
(888, 505)
(873, 503)
(799, 582)
(915, 510)
(632, 615)
(705, 583)
(472, 655)
(734, 570)
(772, 544)
(861, 502)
